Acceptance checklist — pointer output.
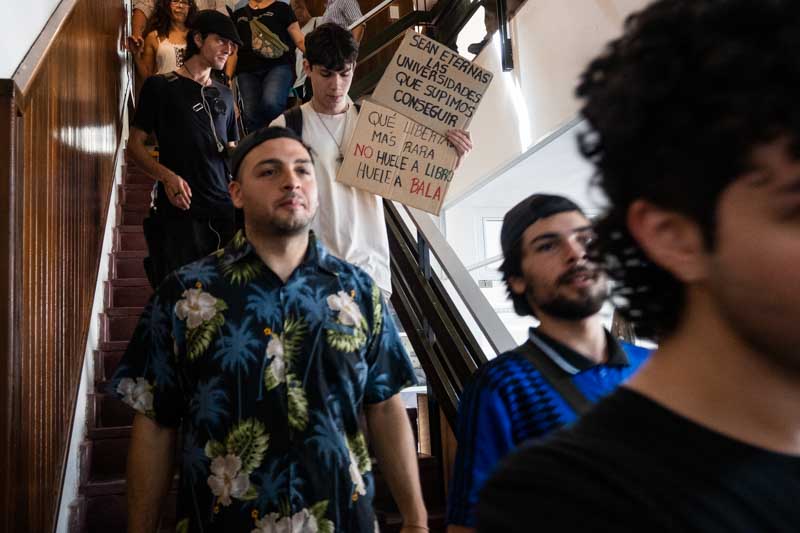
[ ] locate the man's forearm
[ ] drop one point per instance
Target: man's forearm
(393, 442)
(150, 465)
(153, 168)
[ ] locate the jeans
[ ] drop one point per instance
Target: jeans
(264, 94)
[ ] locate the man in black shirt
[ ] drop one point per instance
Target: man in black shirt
(695, 134)
(192, 116)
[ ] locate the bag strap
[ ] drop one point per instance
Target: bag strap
(294, 120)
(555, 376)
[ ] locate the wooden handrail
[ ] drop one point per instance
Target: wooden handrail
(33, 60)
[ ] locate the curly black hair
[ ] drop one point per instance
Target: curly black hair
(674, 109)
(161, 19)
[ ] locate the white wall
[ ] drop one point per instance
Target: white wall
(23, 20)
(553, 40)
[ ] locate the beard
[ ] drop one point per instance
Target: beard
(587, 303)
(278, 224)
(289, 226)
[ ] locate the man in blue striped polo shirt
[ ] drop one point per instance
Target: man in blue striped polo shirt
(508, 401)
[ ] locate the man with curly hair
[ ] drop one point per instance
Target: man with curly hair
(695, 135)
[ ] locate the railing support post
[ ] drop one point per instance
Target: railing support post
(506, 52)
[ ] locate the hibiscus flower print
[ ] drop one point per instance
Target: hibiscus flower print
(138, 394)
(301, 522)
(227, 480)
(196, 307)
(277, 365)
(349, 312)
(356, 477)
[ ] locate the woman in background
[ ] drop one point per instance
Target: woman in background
(165, 41)
(264, 65)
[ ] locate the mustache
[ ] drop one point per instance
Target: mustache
(292, 195)
(575, 271)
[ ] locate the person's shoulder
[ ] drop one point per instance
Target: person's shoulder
(279, 121)
(637, 354)
(203, 272)
(223, 89)
(154, 86)
(347, 272)
(152, 39)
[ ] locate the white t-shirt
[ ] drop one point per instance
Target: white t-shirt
(349, 222)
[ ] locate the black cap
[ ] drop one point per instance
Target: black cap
(258, 137)
(527, 212)
(212, 21)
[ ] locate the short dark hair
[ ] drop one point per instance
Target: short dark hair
(331, 46)
(259, 137)
(674, 109)
(512, 266)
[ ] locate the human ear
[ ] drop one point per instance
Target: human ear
(517, 285)
(306, 67)
(669, 239)
(235, 190)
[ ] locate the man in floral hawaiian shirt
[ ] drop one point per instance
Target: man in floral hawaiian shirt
(262, 357)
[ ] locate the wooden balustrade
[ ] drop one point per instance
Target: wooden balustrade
(60, 127)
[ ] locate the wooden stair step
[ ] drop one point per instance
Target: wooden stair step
(130, 195)
(119, 323)
(132, 215)
(111, 346)
(109, 412)
(129, 238)
(108, 458)
(133, 175)
(109, 513)
(128, 292)
(123, 267)
(105, 363)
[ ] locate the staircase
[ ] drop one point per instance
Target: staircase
(104, 453)
(102, 506)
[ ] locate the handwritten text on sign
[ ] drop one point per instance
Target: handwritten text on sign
(431, 84)
(397, 158)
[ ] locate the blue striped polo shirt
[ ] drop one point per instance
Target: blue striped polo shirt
(508, 401)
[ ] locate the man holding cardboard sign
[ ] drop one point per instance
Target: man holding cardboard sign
(350, 221)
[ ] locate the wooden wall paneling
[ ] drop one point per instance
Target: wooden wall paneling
(58, 181)
(9, 339)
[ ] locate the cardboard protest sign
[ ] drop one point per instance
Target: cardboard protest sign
(399, 159)
(429, 83)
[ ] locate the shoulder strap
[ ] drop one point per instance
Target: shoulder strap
(556, 377)
(294, 120)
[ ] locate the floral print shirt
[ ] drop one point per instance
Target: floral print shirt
(266, 382)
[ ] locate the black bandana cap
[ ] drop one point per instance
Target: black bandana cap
(527, 212)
